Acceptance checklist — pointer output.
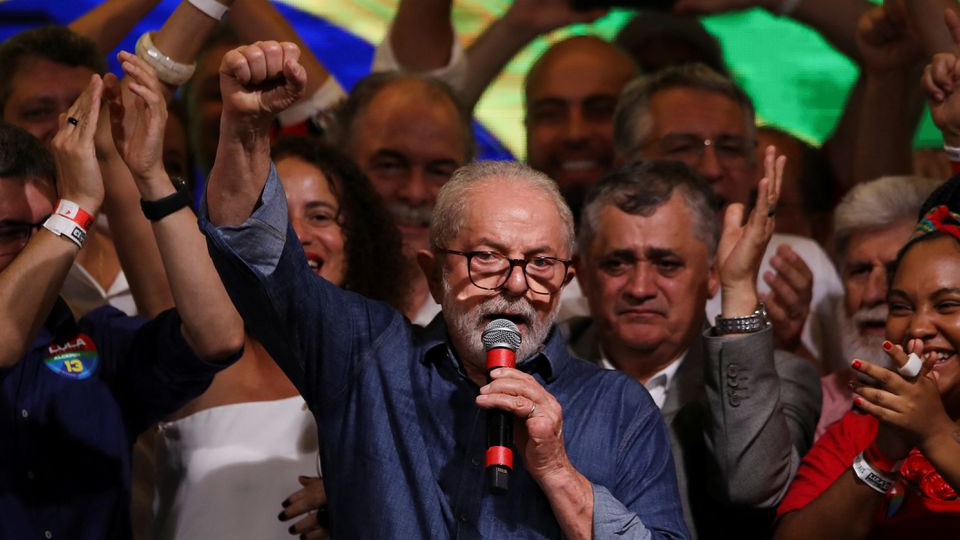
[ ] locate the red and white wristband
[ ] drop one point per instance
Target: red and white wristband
(70, 221)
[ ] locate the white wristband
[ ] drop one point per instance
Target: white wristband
(787, 7)
(168, 70)
(877, 480)
(63, 226)
(215, 10)
(953, 152)
(912, 368)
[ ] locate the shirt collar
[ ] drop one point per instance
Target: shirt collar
(660, 378)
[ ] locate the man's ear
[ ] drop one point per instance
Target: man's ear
(430, 265)
(713, 279)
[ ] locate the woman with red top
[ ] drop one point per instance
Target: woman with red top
(885, 469)
(891, 467)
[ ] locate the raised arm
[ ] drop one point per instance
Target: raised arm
(523, 21)
(927, 15)
(835, 20)
(135, 244)
(749, 431)
(211, 325)
(891, 101)
(109, 22)
(29, 285)
(256, 82)
(421, 34)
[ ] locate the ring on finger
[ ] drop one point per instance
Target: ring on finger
(73, 120)
(533, 409)
(912, 368)
(771, 210)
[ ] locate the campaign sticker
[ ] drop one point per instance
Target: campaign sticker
(75, 359)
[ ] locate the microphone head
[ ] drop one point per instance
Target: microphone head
(501, 334)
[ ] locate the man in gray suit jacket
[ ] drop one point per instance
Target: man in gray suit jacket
(740, 417)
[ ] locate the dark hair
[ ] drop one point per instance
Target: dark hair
(55, 43)
(375, 263)
(23, 156)
(347, 112)
(642, 187)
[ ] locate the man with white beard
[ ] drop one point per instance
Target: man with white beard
(871, 224)
(401, 410)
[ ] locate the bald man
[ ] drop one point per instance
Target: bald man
(571, 93)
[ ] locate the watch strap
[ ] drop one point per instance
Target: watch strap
(161, 208)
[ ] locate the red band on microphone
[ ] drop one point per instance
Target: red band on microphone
(500, 455)
(498, 358)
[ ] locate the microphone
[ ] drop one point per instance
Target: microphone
(501, 339)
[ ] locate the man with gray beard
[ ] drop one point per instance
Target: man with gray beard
(871, 223)
(401, 410)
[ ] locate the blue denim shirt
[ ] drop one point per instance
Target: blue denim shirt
(71, 409)
(402, 440)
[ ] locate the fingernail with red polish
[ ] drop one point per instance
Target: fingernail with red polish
(887, 345)
(857, 400)
(856, 364)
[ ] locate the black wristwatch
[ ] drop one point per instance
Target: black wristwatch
(161, 208)
(747, 324)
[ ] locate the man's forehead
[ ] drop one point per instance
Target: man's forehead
(668, 227)
(499, 210)
(697, 111)
(586, 66)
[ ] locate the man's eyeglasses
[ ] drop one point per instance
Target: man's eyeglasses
(15, 235)
(732, 151)
(490, 270)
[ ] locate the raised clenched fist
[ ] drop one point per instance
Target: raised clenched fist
(261, 79)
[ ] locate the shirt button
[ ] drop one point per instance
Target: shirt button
(47, 534)
(463, 518)
(475, 461)
(24, 413)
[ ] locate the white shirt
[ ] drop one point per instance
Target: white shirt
(657, 384)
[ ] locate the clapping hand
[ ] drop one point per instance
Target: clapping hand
(742, 246)
(78, 171)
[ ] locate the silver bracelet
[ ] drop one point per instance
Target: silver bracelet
(878, 481)
(168, 70)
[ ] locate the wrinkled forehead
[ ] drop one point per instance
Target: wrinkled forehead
(515, 217)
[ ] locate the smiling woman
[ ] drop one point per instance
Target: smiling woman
(892, 473)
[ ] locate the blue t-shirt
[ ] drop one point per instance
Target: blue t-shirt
(71, 409)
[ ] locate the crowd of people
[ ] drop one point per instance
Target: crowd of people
(240, 301)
